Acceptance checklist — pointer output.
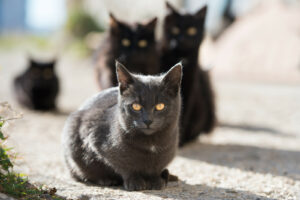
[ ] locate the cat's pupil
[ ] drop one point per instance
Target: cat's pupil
(175, 30)
(142, 43)
(191, 31)
(125, 42)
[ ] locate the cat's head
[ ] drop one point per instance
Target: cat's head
(149, 104)
(41, 70)
(132, 40)
(184, 31)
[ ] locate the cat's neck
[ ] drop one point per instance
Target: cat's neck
(157, 142)
(187, 56)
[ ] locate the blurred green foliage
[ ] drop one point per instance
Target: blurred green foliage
(9, 42)
(80, 23)
(15, 184)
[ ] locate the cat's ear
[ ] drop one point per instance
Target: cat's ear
(201, 14)
(52, 63)
(171, 9)
(124, 77)
(32, 62)
(113, 22)
(172, 79)
(151, 24)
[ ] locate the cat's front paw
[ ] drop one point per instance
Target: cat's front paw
(108, 182)
(135, 184)
(157, 183)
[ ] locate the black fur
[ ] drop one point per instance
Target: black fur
(37, 88)
(198, 114)
(137, 58)
(107, 142)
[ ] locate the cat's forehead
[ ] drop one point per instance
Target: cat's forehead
(184, 19)
(134, 29)
(147, 83)
(145, 88)
(42, 65)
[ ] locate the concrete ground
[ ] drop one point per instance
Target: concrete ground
(253, 154)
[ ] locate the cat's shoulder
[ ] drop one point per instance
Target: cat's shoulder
(103, 99)
(104, 46)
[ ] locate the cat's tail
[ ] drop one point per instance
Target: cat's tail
(168, 177)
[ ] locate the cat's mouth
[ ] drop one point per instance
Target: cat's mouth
(147, 131)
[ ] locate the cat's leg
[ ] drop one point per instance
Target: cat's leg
(84, 165)
(210, 110)
(191, 102)
(136, 182)
(193, 123)
(185, 128)
(73, 170)
(202, 117)
(97, 172)
(210, 121)
(156, 183)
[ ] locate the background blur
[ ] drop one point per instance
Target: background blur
(252, 49)
(250, 40)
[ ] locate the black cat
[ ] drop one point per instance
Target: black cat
(127, 134)
(182, 36)
(133, 45)
(37, 88)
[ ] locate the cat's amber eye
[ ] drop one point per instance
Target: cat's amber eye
(175, 30)
(142, 43)
(191, 31)
(125, 42)
(136, 106)
(159, 106)
(47, 74)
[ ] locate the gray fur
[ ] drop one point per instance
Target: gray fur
(106, 142)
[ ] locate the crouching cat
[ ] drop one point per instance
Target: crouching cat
(38, 86)
(126, 134)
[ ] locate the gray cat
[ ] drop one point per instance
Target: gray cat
(127, 134)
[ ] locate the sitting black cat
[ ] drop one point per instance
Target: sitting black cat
(127, 134)
(132, 44)
(182, 36)
(37, 88)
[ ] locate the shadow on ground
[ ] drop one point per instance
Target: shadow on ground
(254, 129)
(183, 191)
(247, 158)
(200, 191)
(175, 190)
